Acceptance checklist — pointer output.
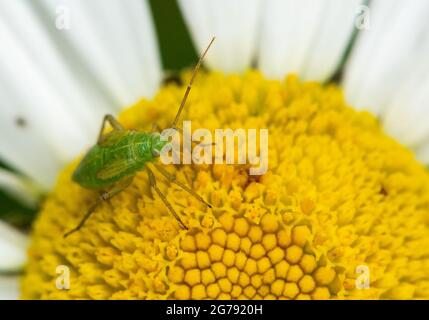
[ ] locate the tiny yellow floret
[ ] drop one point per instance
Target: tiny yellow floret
(269, 223)
(193, 276)
(324, 275)
(293, 254)
(290, 290)
(241, 227)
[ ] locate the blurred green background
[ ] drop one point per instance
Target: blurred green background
(177, 52)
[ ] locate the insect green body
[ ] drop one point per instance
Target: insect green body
(120, 155)
(111, 164)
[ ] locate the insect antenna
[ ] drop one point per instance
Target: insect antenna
(188, 89)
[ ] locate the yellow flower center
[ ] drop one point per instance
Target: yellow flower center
(343, 211)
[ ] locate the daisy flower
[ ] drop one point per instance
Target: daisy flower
(343, 210)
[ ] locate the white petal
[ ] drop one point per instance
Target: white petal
(56, 89)
(305, 37)
(13, 245)
(79, 93)
(423, 152)
(385, 53)
(406, 116)
(9, 287)
(388, 72)
(27, 94)
(113, 40)
(19, 187)
(235, 25)
(332, 38)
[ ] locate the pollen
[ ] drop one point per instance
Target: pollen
(341, 213)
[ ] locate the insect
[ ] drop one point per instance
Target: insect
(112, 163)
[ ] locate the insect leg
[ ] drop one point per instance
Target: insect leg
(82, 222)
(105, 196)
(155, 127)
(173, 180)
(113, 122)
(152, 182)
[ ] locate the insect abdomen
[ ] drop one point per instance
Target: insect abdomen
(132, 151)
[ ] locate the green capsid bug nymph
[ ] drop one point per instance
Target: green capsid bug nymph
(119, 155)
(111, 164)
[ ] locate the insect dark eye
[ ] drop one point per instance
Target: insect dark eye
(155, 152)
